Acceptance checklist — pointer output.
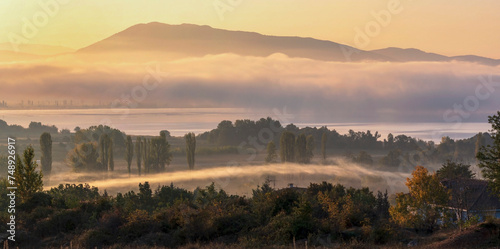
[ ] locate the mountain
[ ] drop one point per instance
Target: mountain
(477, 59)
(412, 54)
(36, 49)
(176, 41)
(409, 54)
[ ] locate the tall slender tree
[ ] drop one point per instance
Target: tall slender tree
(287, 147)
(106, 152)
(166, 155)
(46, 148)
(159, 153)
(271, 153)
(190, 148)
(138, 152)
(309, 148)
(111, 162)
(129, 153)
(324, 140)
(28, 179)
(301, 149)
(146, 159)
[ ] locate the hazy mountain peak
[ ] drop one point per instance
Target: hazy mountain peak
(160, 41)
(174, 41)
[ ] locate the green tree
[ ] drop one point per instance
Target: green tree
(146, 155)
(159, 150)
(392, 159)
(84, 157)
(363, 158)
(106, 152)
(324, 140)
(425, 203)
(190, 148)
(390, 141)
(480, 142)
(310, 146)
(138, 153)
(287, 147)
(489, 156)
(453, 170)
(129, 153)
(301, 149)
(271, 153)
(46, 148)
(28, 180)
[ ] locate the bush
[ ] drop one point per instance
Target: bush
(61, 222)
(96, 238)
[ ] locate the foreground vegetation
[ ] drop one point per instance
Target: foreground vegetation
(323, 215)
(171, 216)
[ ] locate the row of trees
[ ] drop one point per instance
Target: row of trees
(228, 133)
(151, 154)
(292, 149)
(154, 154)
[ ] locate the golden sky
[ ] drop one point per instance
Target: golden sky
(446, 27)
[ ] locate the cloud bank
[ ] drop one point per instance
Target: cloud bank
(323, 91)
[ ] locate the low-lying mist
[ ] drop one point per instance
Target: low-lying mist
(242, 179)
(331, 91)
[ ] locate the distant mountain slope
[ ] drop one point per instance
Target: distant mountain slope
(158, 39)
(411, 54)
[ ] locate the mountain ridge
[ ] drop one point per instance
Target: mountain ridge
(158, 41)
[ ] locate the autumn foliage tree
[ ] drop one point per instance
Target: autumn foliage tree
(424, 204)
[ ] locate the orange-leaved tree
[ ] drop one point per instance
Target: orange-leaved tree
(425, 203)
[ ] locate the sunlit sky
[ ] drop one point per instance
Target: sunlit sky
(446, 27)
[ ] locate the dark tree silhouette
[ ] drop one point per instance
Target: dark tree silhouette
(129, 152)
(271, 153)
(287, 147)
(324, 139)
(190, 149)
(46, 148)
(138, 153)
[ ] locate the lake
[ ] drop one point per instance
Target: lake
(179, 121)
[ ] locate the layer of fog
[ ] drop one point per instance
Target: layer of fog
(242, 179)
(325, 91)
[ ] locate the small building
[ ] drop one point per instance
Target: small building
(472, 197)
